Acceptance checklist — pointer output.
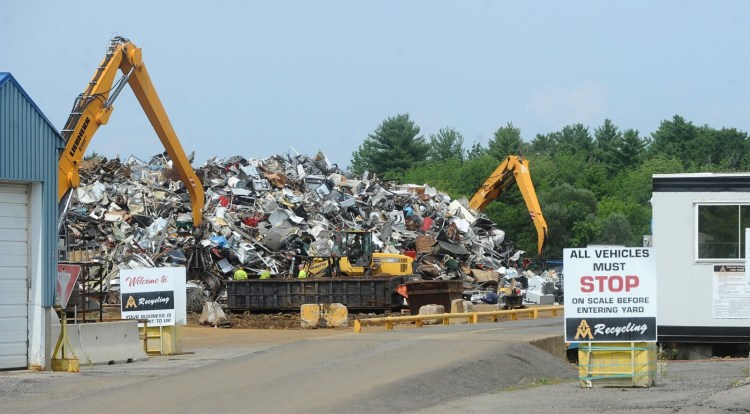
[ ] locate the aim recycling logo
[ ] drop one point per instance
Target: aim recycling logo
(584, 330)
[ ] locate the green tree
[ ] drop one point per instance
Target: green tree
(571, 216)
(473, 173)
(637, 184)
(630, 150)
(731, 147)
(393, 148)
(444, 175)
(638, 217)
(446, 144)
(506, 141)
(673, 139)
(575, 139)
(718, 150)
(607, 140)
(476, 151)
(568, 168)
(91, 155)
(543, 144)
(614, 229)
(455, 177)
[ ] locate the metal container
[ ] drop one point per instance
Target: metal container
(433, 292)
(364, 294)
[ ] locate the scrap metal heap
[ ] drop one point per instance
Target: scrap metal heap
(265, 213)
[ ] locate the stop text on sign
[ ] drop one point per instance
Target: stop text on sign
(614, 283)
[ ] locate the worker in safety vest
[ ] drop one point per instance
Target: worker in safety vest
(265, 274)
(240, 273)
(302, 273)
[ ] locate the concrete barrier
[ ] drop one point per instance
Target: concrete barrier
(431, 310)
(461, 306)
(104, 342)
(334, 315)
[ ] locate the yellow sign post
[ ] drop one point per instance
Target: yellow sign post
(67, 276)
(64, 363)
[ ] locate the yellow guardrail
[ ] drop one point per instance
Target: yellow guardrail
(471, 317)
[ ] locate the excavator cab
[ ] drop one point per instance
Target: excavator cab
(359, 258)
(356, 247)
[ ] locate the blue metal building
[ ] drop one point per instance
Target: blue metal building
(29, 148)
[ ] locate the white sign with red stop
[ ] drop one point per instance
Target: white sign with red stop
(610, 294)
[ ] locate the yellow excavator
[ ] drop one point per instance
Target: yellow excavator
(93, 108)
(354, 255)
(514, 169)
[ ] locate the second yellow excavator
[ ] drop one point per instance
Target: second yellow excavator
(514, 169)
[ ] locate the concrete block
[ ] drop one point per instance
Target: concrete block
(431, 310)
(460, 306)
(334, 315)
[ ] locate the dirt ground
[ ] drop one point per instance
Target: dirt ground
(249, 320)
(272, 321)
(254, 321)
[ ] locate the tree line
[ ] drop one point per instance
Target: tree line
(594, 187)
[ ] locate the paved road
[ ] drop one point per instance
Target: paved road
(465, 368)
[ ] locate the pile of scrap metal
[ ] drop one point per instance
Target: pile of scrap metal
(264, 214)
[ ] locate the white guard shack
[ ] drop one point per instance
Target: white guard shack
(699, 229)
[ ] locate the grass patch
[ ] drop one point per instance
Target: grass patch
(662, 369)
(666, 354)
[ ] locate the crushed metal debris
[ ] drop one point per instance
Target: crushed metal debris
(272, 213)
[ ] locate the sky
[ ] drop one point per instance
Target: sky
(258, 78)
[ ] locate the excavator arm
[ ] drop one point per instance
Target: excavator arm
(93, 109)
(514, 169)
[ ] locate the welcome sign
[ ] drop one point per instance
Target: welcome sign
(150, 294)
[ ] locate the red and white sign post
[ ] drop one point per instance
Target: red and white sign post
(67, 275)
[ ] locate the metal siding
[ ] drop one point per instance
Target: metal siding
(28, 152)
(684, 285)
(14, 274)
(8, 286)
(702, 183)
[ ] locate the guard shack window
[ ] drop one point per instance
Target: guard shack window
(721, 231)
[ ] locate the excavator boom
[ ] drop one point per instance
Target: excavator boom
(94, 107)
(514, 169)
